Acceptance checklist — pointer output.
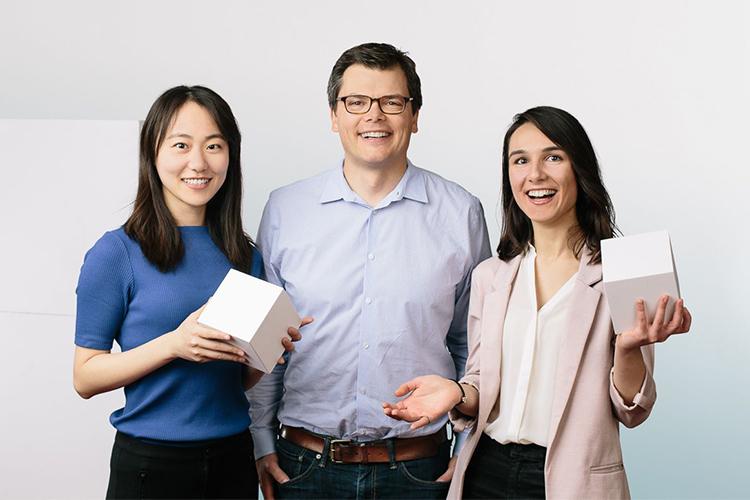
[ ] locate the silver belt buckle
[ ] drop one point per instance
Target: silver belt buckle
(330, 449)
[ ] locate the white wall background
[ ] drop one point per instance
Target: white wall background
(662, 88)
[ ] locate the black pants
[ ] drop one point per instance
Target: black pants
(222, 468)
(505, 470)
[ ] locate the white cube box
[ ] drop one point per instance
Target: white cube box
(638, 267)
(255, 313)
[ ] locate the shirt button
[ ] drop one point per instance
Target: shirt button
(371, 256)
(368, 300)
(363, 391)
(366, 345)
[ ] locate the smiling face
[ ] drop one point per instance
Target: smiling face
(374, 140)
(541, 178)
(192, 164)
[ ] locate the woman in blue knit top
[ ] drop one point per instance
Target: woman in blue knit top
(183, 430)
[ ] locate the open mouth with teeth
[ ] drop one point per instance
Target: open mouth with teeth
(541, 195)
(379, 134)
(196, 181)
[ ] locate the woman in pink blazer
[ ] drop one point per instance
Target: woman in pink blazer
(547, 381)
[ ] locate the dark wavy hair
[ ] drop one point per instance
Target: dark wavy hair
(594, 210)
(151, 223)
(378, 56)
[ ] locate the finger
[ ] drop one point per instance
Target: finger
(294, 333)
(216, 345)
(306, 321)
(676, 321)
(405, 388)
(420, 422)
(281, 361)
(641, 320)
(266, 486)
(287, 343)
(210, 333)
(661, 309)
(278, 475)
(208, 354)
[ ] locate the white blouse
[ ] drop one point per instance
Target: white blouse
(531, 341)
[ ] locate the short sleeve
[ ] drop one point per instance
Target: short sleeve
(103, 292)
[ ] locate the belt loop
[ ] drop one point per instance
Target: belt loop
(391, 444)
(326, 452)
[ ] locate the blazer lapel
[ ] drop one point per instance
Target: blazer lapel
(493, 314)
(584, 302)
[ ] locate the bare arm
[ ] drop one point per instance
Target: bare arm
(96, 371)
(629, 367)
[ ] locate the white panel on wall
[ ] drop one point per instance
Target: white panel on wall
(55, 444)
(71, 181)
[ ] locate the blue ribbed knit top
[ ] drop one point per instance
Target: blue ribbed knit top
(122, 297)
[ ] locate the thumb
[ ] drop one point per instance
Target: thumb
(278, 475)
(406, 388)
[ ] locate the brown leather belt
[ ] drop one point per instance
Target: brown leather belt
(343, 451)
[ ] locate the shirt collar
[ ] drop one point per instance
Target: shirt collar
(412, 186)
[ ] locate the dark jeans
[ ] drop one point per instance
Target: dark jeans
(313, 475)
(222, 468)
(505, 470)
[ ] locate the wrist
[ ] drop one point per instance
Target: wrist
(622, 350)
(168, 345)
(461, 395)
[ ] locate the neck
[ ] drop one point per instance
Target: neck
(552, 241)
(188, 216)
(372, 184)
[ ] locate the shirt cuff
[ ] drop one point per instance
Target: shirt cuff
(264, 442)
(639, 399)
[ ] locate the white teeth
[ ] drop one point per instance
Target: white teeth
(195, 181)
(541, 193)
(374, 135)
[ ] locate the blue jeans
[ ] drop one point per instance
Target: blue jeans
(313, 475)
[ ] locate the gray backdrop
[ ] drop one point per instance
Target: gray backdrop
(660, 87)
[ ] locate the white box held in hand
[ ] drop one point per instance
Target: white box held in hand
(638, 267)
(255, 313)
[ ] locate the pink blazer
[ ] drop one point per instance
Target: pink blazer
(584, 458)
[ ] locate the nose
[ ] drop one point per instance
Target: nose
(375, 113)
(197, 161)
(536, 170)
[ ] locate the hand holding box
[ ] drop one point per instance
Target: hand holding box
(638, 267)
(255, 313)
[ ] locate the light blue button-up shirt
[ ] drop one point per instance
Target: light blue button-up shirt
(388, 287)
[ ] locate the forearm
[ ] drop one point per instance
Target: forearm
(629, 372)
(98, 372)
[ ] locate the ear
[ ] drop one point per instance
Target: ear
(414, 126)
(334, 120)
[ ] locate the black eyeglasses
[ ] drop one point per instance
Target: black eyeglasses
(389, 104)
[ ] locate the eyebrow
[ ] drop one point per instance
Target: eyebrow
(188, 136)
(545, 150)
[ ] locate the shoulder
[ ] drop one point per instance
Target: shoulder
(112, 245)
(439, 185)
(487, 269)
(108, 261)
(311, 187)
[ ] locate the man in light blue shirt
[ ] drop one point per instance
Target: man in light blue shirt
(380, 253)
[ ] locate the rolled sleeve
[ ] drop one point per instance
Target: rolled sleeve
(643, 402)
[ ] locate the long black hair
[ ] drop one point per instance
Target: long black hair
(151, 223)
(594, 210)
